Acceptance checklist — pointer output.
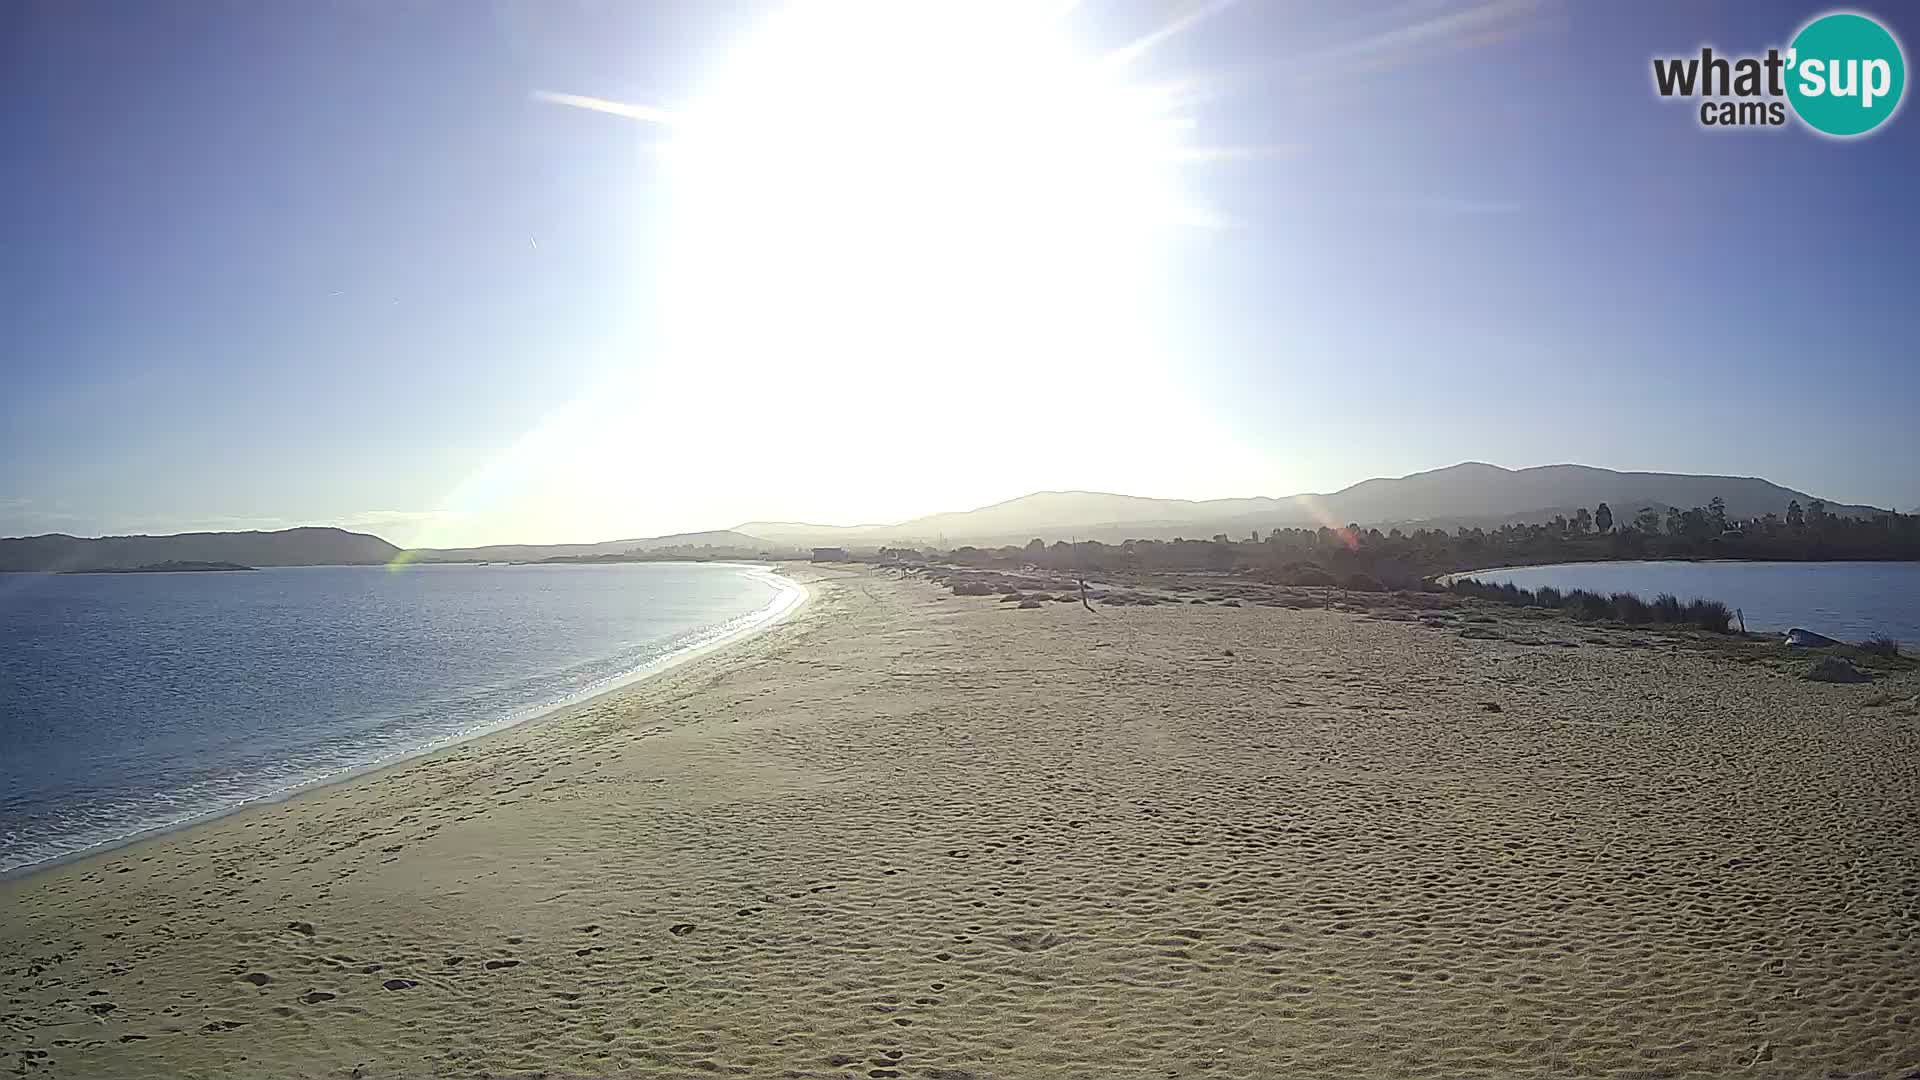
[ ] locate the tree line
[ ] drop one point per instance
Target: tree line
(1368, 558)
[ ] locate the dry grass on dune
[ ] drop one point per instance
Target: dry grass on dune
(912, 834)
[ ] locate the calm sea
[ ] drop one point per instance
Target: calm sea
(131, 702)
(1846, 600)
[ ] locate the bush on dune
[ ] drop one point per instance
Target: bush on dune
(1588, 605)
(1709, 615)
(1306, 574)
(1630, 609)
(1591, 606)
(1881, 646)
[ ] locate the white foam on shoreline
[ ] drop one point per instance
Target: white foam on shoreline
(788, 597)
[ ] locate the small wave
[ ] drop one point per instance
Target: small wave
(103, 820)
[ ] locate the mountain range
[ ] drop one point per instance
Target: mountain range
(1472, 493)
(718, 538)
(286, 547)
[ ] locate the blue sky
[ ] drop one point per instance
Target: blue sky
(272, 265)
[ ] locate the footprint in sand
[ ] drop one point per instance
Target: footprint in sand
(681, 929)
(257, 978)
(496, 965)
(399, 984)
(315, 997)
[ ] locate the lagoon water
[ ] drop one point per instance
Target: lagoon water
(1846, 600)
(131, 702)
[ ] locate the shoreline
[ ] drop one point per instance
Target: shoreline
(1443, 578)
(918, 834)
(1770, 613)
(790, 598)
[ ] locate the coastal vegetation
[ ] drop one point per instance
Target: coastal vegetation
(1623, 607)
(1368, 559)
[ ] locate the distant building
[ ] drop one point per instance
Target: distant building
(829, 554)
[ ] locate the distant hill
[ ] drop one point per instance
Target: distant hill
(1472, 493)
(1477, 490)
(287, 547)
(719, 539)
(796, 534)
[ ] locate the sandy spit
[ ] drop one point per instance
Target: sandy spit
(910, 834)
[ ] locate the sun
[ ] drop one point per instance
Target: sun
(862, 175)
(881, 216)
(913, 156)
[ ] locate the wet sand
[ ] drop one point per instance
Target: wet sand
(911, 834)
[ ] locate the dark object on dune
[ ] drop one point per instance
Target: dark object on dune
(1807, 639)
(972, 588)
(1029, 602)
(175, 567)
(1835, 670)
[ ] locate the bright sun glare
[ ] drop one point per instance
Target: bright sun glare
(871, 202)
(865, 176)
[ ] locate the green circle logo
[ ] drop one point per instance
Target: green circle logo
(1845, 74)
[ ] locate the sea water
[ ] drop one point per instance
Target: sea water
(1846, 600)
(133, 702)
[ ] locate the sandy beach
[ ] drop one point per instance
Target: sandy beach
(906, 833)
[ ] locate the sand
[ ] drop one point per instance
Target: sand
(906, 833)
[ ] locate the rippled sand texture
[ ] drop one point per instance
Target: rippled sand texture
(910, 834)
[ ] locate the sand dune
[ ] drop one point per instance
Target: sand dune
(910, 834)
